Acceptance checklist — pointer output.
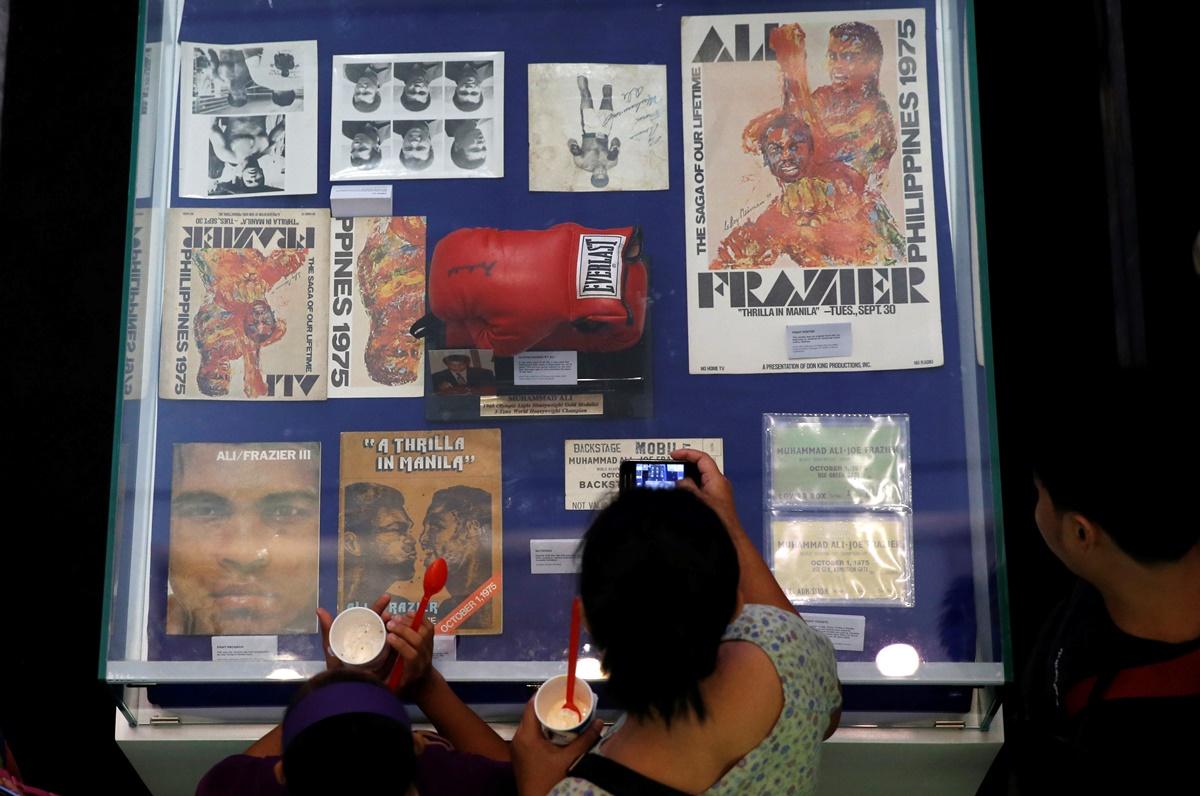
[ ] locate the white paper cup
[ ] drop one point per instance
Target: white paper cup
(550, 697)
(358, 638)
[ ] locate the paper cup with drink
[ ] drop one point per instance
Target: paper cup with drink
(559, 724)
(358, 638)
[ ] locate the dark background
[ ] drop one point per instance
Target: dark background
(1046, 102)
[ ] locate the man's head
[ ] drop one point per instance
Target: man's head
(253, 177)
(367, 96)
(283, 98)
(260, 323)
(365, 148)
(458, 524)
(416, 147)
(344, 732)
(786, 144)
(469, 149)
(284, 63)
(416, 95)
(378, 533)
(1103, 463)
(468, 90)
(244, 536)
(600, 177)
(457, 363)
(213, 377)
(854, 56)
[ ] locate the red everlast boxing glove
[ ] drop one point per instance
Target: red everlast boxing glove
(563, 288)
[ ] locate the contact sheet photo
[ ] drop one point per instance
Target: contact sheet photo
(598, 242)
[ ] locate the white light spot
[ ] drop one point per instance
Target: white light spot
(897, 660)
(589, 669)
(285, 674)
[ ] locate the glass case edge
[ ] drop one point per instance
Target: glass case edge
(114, 474)
(977, 197)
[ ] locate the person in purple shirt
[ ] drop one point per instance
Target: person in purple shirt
(344, 732)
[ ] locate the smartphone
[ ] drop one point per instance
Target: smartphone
(645, 474)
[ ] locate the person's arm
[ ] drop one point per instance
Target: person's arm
(755, 581)
(8, 761)
(788, 41)
(216, 137)
(835, 718)
(270, 745)
(453, 719)
(539, 765)
(278, 131)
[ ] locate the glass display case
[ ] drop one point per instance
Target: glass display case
(249, 489)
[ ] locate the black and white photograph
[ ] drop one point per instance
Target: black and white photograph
(248, 79)
(364, 90)
(418, 143)
(418, 88)
(364, 144)
(444, 113)
(247, 154)
(467, 144)
(250, 127)
(598, 127)
(470, 87)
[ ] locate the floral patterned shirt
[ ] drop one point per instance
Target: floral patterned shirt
(785, 762)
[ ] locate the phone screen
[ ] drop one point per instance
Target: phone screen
(657, 475)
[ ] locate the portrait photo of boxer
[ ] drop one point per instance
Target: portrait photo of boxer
(244, 545)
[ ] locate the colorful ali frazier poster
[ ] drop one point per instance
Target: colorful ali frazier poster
(844, 559)
(244, 309)
(593, 465)
(410, 497)
(376, 293)
(810, 198)
(842, 461)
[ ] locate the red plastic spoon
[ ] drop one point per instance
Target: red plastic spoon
(435, 581)
(573, 657)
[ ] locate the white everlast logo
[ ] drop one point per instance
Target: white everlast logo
(599, 274)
